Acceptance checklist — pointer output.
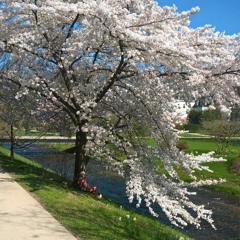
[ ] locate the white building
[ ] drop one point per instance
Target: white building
(181, 111)
(183, 108)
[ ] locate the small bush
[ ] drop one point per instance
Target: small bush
(180, 127)
(182, 146)
(193, 128)
(235, 167)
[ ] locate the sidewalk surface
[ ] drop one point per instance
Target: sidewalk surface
(23, 218)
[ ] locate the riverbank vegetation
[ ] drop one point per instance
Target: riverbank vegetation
(201, 144)
(220, 169)
(85, 215)
(227, 170)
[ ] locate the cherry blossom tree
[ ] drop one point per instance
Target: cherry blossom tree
(49, 118)
(115, 68)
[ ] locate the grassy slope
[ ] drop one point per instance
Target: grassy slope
(220, 169)
(86, 216)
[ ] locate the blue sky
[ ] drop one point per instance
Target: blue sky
(224, 15)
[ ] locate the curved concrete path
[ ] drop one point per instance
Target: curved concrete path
(23, 218)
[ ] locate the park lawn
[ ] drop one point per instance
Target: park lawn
(220, 169)
(85, 215)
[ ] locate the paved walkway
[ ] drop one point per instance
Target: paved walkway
(23, 218)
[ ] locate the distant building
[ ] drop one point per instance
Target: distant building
(202, 104)
(183, 108)
(181, 112)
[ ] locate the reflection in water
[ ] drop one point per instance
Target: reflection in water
(226, 208)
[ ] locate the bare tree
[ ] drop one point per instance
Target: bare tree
(14, 113)
(222, 131)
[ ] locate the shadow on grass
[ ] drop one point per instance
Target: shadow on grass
(34, 176)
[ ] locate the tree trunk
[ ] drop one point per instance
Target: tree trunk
(81, 159)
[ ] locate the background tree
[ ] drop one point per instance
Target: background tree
(210, 115)
(235, 114)
(222, 131)
(198, 117)
(127, 59)
(21, 115)
(194, 117)
(49, 119)
(14, 113)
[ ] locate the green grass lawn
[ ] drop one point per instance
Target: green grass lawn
(220, 169)
(86, 216)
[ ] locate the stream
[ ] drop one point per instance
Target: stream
(226, 208)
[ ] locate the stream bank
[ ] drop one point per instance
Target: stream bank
(226, 208)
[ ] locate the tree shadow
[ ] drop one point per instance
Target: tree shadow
(33, 175)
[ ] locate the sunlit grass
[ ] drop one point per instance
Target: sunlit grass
(220, 169)
(85, 215)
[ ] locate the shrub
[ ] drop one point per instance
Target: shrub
(180, 127)
(211, 115)
(182, 146)
(193, 128)
(235, 167)
(194, 117)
